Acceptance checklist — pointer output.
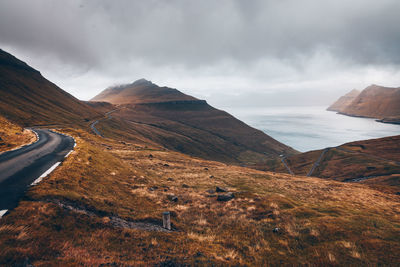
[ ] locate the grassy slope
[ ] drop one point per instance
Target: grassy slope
(320, 222)
(376, 157)
(27, 98)
(13, 136)
(202, 131)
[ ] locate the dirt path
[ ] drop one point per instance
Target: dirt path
(113, 220)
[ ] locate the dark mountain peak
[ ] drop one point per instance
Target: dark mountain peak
(7, 60)
(142, 82)
(141, 91)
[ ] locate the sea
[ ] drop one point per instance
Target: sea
(312, 128)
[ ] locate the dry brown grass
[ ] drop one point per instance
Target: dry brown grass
(319, 222)
(13, 136)
(376, 159)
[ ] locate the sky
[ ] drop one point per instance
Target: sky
(230, 52)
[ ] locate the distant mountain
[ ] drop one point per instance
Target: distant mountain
(189, 125)
(375, 101)
(140, 91)
(344, 101)
(27, 98)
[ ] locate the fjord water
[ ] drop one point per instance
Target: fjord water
(311, 128)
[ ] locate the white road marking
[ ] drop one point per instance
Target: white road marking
(2, 212)
(38, 180)
(66, 156)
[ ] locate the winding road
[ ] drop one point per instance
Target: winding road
(93, 125)
(316, 164)
(28, 165)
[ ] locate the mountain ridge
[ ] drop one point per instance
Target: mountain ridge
(26, 97)
(190, 125)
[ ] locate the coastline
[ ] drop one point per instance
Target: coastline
(384, 120)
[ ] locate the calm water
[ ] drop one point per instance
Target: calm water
(310, 128)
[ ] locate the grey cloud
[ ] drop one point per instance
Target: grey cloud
(225, 37)
(202, 32)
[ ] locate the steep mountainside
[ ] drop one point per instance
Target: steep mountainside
(28, 98)
(186, 124)
(376, 102)
(344, 101)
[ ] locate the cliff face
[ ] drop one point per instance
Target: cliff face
(375, 102)
(344, 101)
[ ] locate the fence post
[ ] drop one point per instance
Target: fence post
(167, 220)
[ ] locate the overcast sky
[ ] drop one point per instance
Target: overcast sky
(228, 52)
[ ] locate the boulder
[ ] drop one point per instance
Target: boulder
(220, 189)
(225, 197)
(172, 198)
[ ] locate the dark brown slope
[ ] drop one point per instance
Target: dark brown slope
(186, 124)
(26, 97)
(375, 162)
(376, 102)
(344, 101)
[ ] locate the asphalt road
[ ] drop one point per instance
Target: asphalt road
(93, 125)
(283, 159)
(20, 168)
(316, 164)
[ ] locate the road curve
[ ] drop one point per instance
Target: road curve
(21, 167)
(93, 124)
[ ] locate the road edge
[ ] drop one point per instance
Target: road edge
(48, 171)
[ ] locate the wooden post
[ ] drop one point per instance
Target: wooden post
(167, 220)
